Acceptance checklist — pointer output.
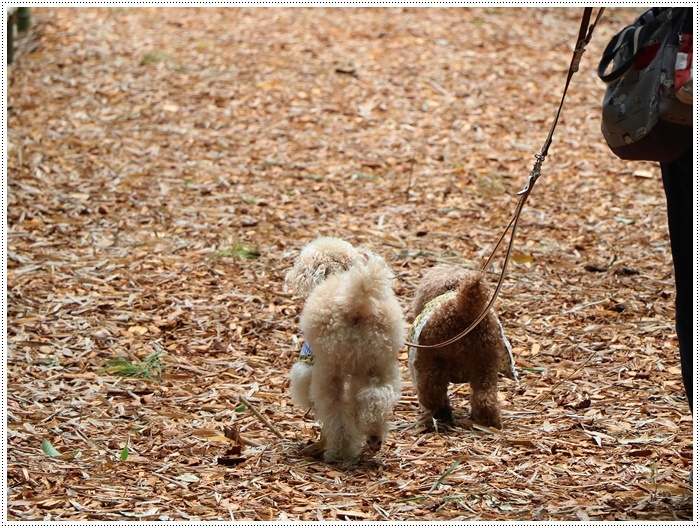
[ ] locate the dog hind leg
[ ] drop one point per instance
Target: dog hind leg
(485, 407)
(432, 394)
(343, 440)
(338, 427)
(374, 407)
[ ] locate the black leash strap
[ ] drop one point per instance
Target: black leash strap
(584, 37)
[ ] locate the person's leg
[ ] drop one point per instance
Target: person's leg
(678, 184)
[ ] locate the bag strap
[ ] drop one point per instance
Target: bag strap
(634, 37)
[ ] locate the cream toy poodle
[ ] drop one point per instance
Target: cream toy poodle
(348, 372)
(447, 301)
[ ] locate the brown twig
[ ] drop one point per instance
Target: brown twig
(412, 162)
(260, 417)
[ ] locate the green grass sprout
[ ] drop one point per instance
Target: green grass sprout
(151, 367)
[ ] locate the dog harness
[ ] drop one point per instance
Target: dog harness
(306, 356)
(507, 364)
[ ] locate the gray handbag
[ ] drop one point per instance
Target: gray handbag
(642, 117)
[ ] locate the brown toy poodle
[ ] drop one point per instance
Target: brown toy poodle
(447, 301)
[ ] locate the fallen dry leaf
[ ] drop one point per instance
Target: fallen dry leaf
(165, 165)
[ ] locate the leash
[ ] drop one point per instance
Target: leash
(584, 37)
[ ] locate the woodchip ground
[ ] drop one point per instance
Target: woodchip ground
(165, 165)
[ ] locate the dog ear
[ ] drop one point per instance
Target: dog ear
(299, 281)
(309, 272)
(322, 258)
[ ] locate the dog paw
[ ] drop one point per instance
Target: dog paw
(443, 414)
(374, 442)
(488, 419)
(343, 458)
(315, 450)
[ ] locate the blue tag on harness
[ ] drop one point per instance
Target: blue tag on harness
(306, 351)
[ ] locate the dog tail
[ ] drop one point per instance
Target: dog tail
(353, 315)
(473, 296)
(367, 283)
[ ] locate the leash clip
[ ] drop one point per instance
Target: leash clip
(534, 174)
(578, 53)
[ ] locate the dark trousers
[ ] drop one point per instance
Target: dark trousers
(678, 184)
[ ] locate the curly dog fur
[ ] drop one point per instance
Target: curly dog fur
(477, 358)
(319, 260)
(353, 324)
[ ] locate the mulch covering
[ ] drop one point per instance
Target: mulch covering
(166, 165)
